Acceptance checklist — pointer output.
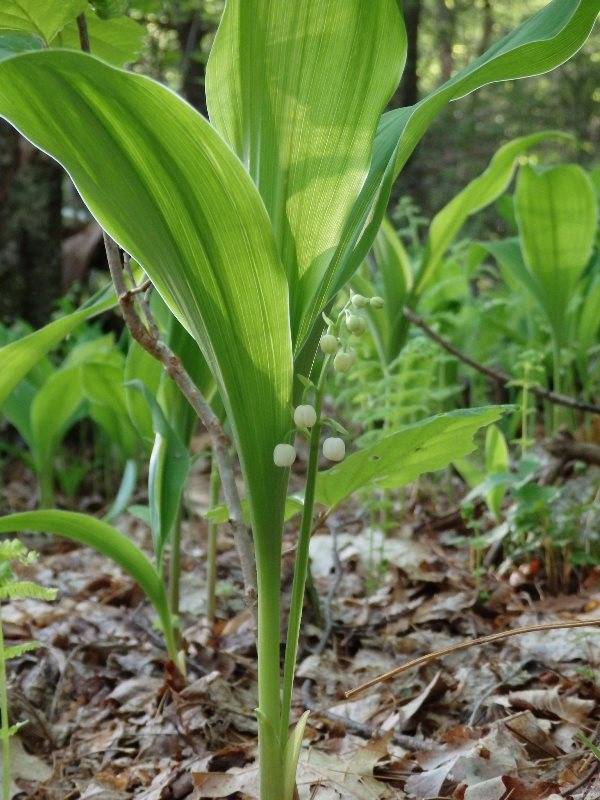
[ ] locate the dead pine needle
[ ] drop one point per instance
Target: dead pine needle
(455, 648)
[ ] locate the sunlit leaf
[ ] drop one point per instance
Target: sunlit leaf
(118, 41)
(540, 44)
(171, 192)
(44, 19)
(297, 88)
(400, 457)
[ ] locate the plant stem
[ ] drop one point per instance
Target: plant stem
(211, 556)
(5, 724)
(301, 565)
(268, 564)
(175, 565)
(556, 416)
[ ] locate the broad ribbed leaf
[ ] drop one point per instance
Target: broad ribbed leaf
(297, 89)
(118, 41)
(44, 19)
(478, 194)
(540, 44)
(400, 457)
(169, 190)
(106, 540)
(18, 358)
(557, 215)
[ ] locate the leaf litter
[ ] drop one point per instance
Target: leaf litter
(494, 722)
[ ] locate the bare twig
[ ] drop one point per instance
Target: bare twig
(495, 375)
(151, 342)
(493, 637)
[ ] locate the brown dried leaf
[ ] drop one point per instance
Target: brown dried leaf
(570, 709)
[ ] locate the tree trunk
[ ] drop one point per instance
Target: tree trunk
(445, 36)
(487, 27)
(190, 33)
(408, 91)
(30, 230)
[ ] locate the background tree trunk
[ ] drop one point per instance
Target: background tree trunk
(30, 230)
(408, 91)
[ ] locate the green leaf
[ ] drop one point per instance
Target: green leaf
(141, 367)
(118, 41)
(17, 410)
(102, 384)
(220, 514)
(172, 193)
(393, 264)
(53, 411)
(44, 19)
(297, 89)
(107, 9)
(17, 650)
(19, 357)
(22, 589)
(400, 457)
(291, 755)
(557, 216)
(540, 44)
(496, 462)
(479, 193)
(106, 540)
(125, 493)
(12, 43)
(169, 469)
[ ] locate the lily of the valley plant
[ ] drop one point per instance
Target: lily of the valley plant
(248, 225)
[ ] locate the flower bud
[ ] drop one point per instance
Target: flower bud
(355, 324)
(305, 416)
(334, 448)
(284, 455)
(358, 301)
(329, 344)
(377, 302)
(344, 360)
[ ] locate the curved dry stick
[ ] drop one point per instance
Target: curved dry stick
(495, 375)
(492, 637)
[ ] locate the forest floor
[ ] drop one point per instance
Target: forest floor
(504, 720)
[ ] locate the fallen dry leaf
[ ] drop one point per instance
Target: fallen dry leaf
(571, 709)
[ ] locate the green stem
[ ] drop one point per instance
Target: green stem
(301, 565)
(268, 569)
(211, 555)
(5, 724)
(46, 480)
(556, 417)
(175, 566)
